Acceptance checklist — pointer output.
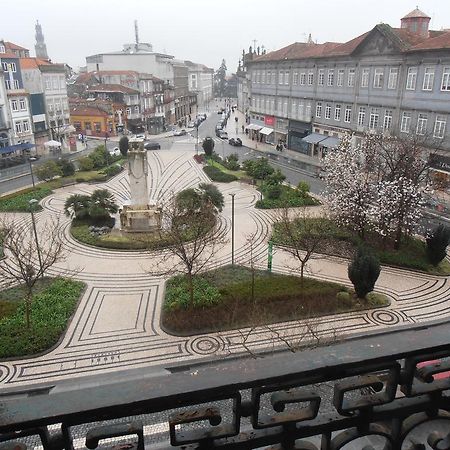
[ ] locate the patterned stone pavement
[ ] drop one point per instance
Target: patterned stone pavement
(116, 325)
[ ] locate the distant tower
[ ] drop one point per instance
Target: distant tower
(40, 47)
(136, 34)
(310, 41)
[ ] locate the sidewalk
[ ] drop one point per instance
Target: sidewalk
(314, 163)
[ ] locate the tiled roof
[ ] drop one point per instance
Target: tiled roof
(416, 13)
(12, 46)
(404, 39)
(8, 55)
(116, 72)
(86, 111)
(112, 88)
(434, 43)
(33, 63)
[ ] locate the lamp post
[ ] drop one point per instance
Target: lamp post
(106, 138)
(196, 145)
(31, 170)
(232, 229)
(33, 203)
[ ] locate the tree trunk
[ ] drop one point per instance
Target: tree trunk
(28, 300)
(191, 288)
(302, 270)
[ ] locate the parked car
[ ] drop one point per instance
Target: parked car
(223, 134)
(219, 125)
(139, 136)
(152, 145)
(115, 151)
(191, 124)
(180, 132)
(235, 142)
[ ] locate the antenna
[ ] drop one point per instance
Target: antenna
(136, 32)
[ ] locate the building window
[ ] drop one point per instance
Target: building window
(374, 118)
(422, 124)
(295, 78)
(387, 121)
(308, 111)
(351, 77)
(97, 127)
(286, 77)
(268, 77)
(18, 127)
(300, 110)
(280, 77)
(62, 83)
(393, 77)
(303, 78)
(330, 77)
(378, 78)
(48, 83)
(361, 116)
(23, 105)
(280, 106)
(293, 108)
(16, 84)
(7, 85)
(365, 78)
(439, 127)
(26, 126)
(328, 111)
(445, 85)
(87, 126)
(310, 78)
(2, 48)
(136, 109)
(128, 110)
(348, 114)
(14, 105)
(263, 77)
(411, 79)
(285, 108)
(428, 79)
(319, 109)
(321, 77)
(55, 83)
(258, 76)
(405, 124)
(340, 77)
(337, 112)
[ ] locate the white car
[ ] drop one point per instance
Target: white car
(115, 151)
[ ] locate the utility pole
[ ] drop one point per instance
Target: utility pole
(232, 229)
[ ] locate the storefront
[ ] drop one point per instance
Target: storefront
(296, 132)
(440, 170)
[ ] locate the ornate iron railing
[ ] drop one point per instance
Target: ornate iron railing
(385, 391)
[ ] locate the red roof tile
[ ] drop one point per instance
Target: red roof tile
(416, 13)
(33, 63)
(112, 88)
(87, 111)
(12, 46)
(434, 43)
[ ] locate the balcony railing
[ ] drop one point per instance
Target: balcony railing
(363, 393)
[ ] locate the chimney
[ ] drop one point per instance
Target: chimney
(416, 22)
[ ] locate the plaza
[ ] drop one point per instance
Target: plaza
(116, 325)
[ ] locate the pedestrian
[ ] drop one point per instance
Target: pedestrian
(243, 128)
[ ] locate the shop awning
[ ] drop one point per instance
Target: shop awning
(255, 127)
(330, 142)
(52, 144)
(16, 148)
(314, 138)
(266, 131)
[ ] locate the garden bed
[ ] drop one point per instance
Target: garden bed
(289, 197)
(223, 301)
(342, 242)
(20, 201)
(54, 303)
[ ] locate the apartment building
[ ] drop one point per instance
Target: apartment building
(391, 80)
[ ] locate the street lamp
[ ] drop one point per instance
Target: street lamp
(196, 145)
(33, 202)
(106, 138)
(31, 170)
(232, 229)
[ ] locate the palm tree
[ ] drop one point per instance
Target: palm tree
(77, 205)
(102, 204)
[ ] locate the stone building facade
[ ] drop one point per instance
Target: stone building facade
(391, 80)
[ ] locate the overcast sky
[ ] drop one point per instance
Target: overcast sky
(203, 31)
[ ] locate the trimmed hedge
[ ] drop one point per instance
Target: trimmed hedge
(217, 175)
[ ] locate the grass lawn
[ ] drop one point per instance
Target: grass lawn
(341, 242)
(223, 300)
(236, 173)
(19, 201)
(289, 197)
(53, 305)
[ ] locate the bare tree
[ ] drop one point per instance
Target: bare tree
(190, 228)
(26, 259)
(301, 235)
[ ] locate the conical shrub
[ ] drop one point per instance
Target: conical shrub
(363, 272)
(437, 243)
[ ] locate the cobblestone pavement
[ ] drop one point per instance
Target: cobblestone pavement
(116, 325)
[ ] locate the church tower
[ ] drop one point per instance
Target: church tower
(40, 47)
